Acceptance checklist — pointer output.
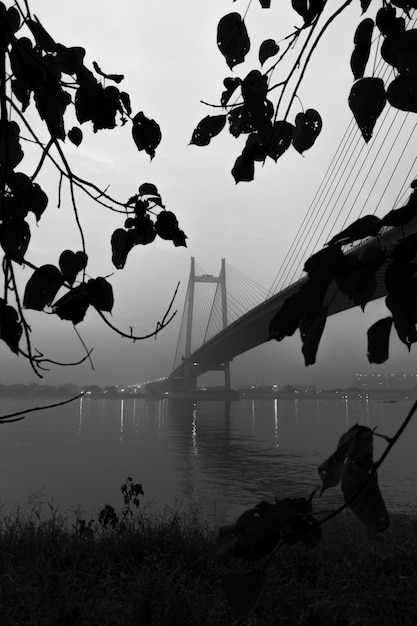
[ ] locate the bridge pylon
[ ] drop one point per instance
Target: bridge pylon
(191, 369)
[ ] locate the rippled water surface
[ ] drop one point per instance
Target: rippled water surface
(221, 459)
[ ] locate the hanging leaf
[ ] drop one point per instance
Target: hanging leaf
(100, 293)
(286, 321)
(365, 5)
(265, 4)
(21, 92)
(402, 215)
(117, 78)
(51, 102)
(402, 93)
(362, 49)
(10, 151)
(242, 590)
(125, 100)
(166, 225)
(368, 505)
(311, 330)
(267, 49)
(42, 287)
(209, 127)
(307, 128)
(320, 262)
(332, 469)
(308, 9)
(73, 306)
(231, 85)
(15, 238)
(121, 243)
(42, 37)
(146, 134)
(388, 23)
(71, 263)
(148, 189)
(367, 100)
(399, 50)
(367, 226)
(10, 326)
(244, 168)
(378, 340)
(75, 135)
(233, 39)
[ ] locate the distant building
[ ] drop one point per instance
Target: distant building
(384, 381)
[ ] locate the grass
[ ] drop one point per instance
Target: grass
(163, 570)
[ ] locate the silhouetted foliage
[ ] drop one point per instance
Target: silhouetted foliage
(40, 75)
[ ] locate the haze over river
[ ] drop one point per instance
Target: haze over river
(222, 460)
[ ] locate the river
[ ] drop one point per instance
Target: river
(219, 458)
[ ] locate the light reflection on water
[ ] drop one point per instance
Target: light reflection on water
(222, 457)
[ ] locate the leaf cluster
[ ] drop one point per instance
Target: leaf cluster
(260, 532)
(39, 75)
(356, 274)
(247, 102)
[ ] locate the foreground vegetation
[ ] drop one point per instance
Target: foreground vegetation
(154, 570)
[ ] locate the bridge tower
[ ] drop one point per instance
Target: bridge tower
(190, 369)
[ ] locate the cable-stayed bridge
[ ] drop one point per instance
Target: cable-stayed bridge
(228, 314)
(227, 326)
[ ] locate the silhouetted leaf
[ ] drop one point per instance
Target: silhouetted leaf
(378, 340)
(387, 22)
(26, 63)
(307, 128)
(365, 5)
(117, 78)
(308, 9)
(265, 4)
(148, 189)
(323, 260)
(402, 215)
(244, 168)
(368, 505)
(121, 243)
(331, 471)
(10, 151)
(70, 60)
(399, 50)
(51, 102)
(42, 287)
(362, 49)
(146, 134)
(367, 226)
(402, 93)
(27, 196)
(100, 293)
(311, 330)
(267, 49)
(356, 276)
(125, 100)
(71, 263)
(42, 37)
(242, 590)
(21, 92)
(14, 238)
(286, 321)
(367, 100)
(10, 326)
(232, 39)
(209, 127)
(75, 135)
(231, 85)
(73, 306)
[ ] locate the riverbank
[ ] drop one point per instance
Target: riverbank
(164, 570)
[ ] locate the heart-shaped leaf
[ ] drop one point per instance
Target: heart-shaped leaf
(101, 294)
(42, 287)
(146, 134)
(307, 128)
(267, 49)
(378, 340)
(233, 39)
(10, 326)
(367, 100)
(209, 127)
(71, 263)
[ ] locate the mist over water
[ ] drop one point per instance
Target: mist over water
(220, 458)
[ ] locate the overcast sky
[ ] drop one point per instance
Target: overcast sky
(168, 54)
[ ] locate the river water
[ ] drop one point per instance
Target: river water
(221, 458)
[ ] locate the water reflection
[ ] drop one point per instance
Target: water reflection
(220, 456)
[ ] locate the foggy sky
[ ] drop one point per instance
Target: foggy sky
(169, 56)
